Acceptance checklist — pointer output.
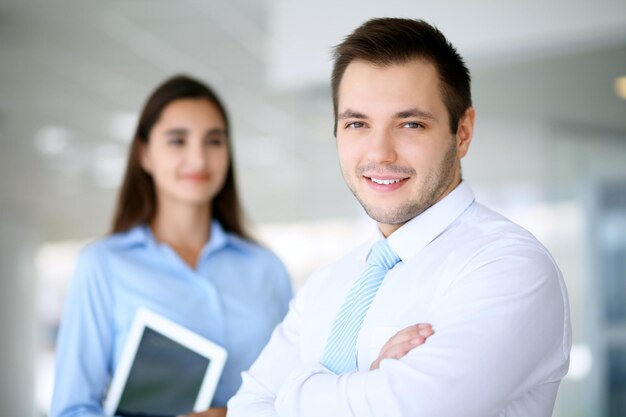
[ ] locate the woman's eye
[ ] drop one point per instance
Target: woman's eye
(215, 140)
(176, 141)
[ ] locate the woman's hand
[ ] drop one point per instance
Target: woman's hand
(403, 342)
(211, 412)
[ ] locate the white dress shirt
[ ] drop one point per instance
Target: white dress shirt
(499, 310)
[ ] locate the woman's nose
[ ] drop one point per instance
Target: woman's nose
(197, 155)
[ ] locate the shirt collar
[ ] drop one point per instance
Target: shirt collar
(415, 235)
(142, 235)
(138, 235)
(219, 238)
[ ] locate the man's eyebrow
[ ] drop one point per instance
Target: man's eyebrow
(404, 114)
(415, 112)
(351, 114)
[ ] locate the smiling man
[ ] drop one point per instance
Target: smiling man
(349, 346)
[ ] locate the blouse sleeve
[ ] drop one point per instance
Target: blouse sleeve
(85, 340)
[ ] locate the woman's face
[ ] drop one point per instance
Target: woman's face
(187, 152)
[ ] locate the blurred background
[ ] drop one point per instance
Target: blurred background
(549, 151)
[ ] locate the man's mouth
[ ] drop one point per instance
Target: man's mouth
(384, 181)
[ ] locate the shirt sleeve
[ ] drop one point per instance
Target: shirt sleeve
(501, 330)
(85, 341)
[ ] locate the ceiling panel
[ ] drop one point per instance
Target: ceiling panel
(76, 66)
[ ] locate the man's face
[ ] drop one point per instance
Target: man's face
(395, 147)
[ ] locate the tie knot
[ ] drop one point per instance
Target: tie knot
(382, 255)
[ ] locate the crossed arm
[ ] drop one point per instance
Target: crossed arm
(395, 348)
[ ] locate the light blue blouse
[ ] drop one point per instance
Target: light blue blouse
(236, 295)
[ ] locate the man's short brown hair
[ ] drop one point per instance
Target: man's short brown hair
(388, 41)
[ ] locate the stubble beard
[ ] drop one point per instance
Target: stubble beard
(436, 183)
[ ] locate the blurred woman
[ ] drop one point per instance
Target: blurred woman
(178, 247)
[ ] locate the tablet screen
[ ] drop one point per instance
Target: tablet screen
(165, 378)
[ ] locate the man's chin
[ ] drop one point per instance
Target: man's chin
(391, 216)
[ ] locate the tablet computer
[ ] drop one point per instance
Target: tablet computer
(164, 370)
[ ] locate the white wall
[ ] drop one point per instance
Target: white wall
(17, 316)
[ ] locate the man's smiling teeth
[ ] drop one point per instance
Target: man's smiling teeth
(384, 182)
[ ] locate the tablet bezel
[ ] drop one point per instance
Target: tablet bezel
(181, 335)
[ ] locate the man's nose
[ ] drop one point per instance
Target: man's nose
(381, 147)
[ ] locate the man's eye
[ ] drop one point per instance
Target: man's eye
(354, 125)
(413, 125)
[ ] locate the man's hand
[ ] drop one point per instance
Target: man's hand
(211, 412)
(403, 342)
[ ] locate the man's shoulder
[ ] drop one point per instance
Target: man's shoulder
(485, 235)
(338, 271)
(483, 222)
(354, 257)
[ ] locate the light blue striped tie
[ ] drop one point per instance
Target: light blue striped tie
(340, 355)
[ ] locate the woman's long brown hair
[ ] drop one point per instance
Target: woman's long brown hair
(137, 198)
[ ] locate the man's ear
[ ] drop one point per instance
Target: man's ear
(465, 131)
